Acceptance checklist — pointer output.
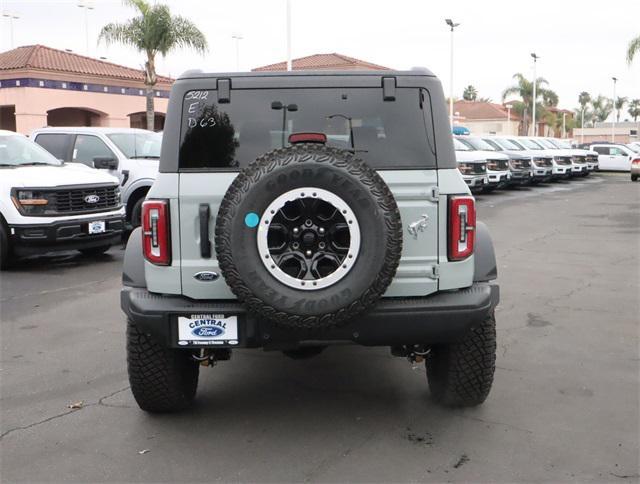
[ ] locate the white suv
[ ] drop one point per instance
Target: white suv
(614, 157)
(46, 205)
(129, 154)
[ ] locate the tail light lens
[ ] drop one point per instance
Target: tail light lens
(462, 227)
(636, 161)
(156, 241)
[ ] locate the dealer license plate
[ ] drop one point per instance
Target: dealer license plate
(97, 227)
(207, 329)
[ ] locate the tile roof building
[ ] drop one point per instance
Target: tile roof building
(332, 61)
(485, 118)
(42, 86)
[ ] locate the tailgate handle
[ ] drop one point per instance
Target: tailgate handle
(205, 244)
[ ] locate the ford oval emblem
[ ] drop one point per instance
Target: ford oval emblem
(206, 276)
(92, 198)
(207, 331)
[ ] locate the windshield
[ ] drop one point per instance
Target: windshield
(527, 143)
(480, 144)
(16, 150)
(508, 144)
(545, 143)
(138, 144)
(460, 146)
(561, 144)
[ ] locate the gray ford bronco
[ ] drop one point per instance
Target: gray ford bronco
(298, 210)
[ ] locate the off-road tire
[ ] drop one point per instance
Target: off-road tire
(461, 374)
(317, 165)
(162, 379)
(634, 177)
(5, 251)
(136, 213)
(95, 251)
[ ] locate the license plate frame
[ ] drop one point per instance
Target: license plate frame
(97, 227)
(207, 330)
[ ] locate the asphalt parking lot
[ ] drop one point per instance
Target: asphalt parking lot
(564, 406)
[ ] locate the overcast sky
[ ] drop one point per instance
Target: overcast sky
(581, 44)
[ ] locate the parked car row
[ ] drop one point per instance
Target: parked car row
(73, 188)
(488, 162)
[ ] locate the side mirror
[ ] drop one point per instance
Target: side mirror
(105, 163)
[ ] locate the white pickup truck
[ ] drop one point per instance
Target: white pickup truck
(131, 155)
(47, 205)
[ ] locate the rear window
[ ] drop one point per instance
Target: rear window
(56, 144)
(229, 136)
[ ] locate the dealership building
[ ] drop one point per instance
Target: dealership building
(41, 86)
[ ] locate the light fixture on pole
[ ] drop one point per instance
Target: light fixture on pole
(86, 5)
(452, 26)
(535, 95)
(11, 17)
(613, 124)
(237, 38)
(509, 106)
(289, 65)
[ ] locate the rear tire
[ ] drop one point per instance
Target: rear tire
(95, 251)
(5, 250)
(136, 214)
(634, 177)
(461, 374)
(162, 379)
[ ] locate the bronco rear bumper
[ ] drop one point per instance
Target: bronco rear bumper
(440, 318)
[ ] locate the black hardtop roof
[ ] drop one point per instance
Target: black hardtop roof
(198, 74)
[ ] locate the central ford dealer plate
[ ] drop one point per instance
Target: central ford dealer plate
(207, 329)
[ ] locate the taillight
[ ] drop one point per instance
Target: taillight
(156, 241)
(636, 161)
(462, 227)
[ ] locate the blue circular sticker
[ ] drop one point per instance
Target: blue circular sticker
(251, 220)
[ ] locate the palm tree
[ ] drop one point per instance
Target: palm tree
(634, 109)
(633, 49)
(619, 104)
(470, 93)
(523, 88)
(602, 107)
(154, 31)
(584, 98)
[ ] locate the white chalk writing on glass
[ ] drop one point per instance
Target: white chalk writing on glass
(201, 95)
(203, 123)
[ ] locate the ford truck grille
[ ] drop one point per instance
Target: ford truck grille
(86, 199)
(498, 165)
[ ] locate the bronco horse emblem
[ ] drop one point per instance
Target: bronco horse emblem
(418, 226)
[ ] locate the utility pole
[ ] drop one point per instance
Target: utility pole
(289, 66)
(613, 124)
(11, 17)
(452, 26)
(564, 125)
(509, 106)
(535, 96)
(86, 6)
(582, 127)
(237, 38)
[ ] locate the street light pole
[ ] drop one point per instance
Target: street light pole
(289, 66)
(11, 18)
(613, 124)
(237, 38)
(582, 127)
(535, 96)
(509, 106)
(452, 26)
(564, 125)
(86, 6)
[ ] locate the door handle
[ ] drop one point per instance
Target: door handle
(205, 244)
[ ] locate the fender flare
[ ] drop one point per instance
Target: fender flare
(133, 265)
(485, 267)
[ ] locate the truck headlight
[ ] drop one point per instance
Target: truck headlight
(30, 202)
(465, 168)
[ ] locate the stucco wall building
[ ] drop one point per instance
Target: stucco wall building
(41, 86)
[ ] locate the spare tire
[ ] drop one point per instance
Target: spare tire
(308, 236)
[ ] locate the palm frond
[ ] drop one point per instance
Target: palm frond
(127, 33)
(633, 49)
(186, 34)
